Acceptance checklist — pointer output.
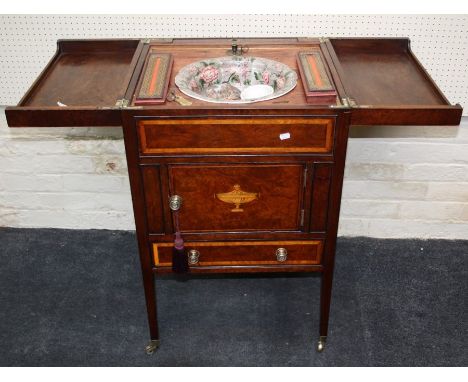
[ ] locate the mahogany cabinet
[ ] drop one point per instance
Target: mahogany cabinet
(251, 201)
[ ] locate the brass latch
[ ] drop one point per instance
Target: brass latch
(237, 50)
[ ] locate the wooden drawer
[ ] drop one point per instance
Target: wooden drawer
(244, 253)
(236, 135)
(239, 197)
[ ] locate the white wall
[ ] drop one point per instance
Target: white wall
(412, 185)
(406, 182)
(28, 41)
(399, 181)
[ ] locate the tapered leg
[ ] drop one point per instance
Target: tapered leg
(325, 300)
(144, 251)
(150, 297)
(332, 231)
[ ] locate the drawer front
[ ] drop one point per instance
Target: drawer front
(251, 197)
(239, 135)
(243, 253)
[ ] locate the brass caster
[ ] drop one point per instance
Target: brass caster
(321, 343)
(152, 346)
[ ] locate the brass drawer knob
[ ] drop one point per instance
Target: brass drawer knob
(281, 254)
(175, 201)
(193, 256)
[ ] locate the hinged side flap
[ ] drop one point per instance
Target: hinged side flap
(385, 84)
(83, 85)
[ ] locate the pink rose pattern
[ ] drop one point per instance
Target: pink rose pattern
(193, 85)
(244, 71)
(209, 74)
(224, 79)
(280, 82)
(193, 70)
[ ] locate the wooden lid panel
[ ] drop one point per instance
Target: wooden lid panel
(386, 84)
(86, 76)
(380, 74)
(380, 79)
(79, 86)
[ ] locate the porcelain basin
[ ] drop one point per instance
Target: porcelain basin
(236, 79)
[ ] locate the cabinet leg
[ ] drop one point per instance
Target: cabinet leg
(325, 299)
(325, 296)
(152, 346)
(321, 343)
(150, 297)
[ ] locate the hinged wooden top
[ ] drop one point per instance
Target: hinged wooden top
(380, 80)
(185, 52)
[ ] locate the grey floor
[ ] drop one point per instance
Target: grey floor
(74, 298)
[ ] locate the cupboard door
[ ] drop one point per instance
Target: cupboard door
(239, 197)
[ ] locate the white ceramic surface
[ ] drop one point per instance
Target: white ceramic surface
(255, 92)
(224, 79)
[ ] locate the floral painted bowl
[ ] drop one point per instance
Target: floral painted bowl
(223, 79)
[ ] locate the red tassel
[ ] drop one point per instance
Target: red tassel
(179, 257)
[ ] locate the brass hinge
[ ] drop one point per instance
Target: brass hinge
(161, 40)
(122, 103)
(302, 218)
(346, 102)
(157, 40)
(306, 39)
(312, 39)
